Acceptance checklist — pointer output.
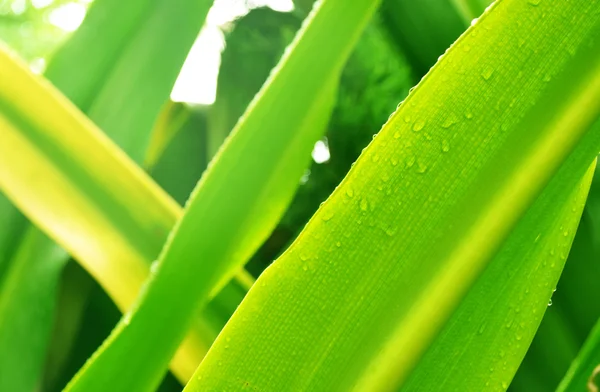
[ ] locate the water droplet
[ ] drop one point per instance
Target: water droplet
(407, 119)
(410, 161)
(397, 135)
(445, 146)
(327, 216)
(534, 2)
(418, 125)
(449, 121)
(390, 231)
(504, 385)
(550, 302)
(338, 244)
(467, 48)
(487, 73)
(349, 192)
(303, 257)
(421, 168)
(364, 205)
(566, 233)
(394, 161)
(547, 78)
(375, 158)
(474, 21)
(469, 115)
(427, 136)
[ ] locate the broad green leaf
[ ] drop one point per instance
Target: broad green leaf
(237, 202)
(136, 60)
(88, 195)
(584, 373)
(362, 293)
(121, 81)
(27, 298)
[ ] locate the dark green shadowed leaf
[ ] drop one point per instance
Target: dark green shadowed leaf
(422, 30)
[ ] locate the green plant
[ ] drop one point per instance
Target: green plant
(429, 267)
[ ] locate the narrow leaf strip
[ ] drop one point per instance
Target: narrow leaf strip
(482, 345)
(358, 298)
(237, 202)
(584, 373)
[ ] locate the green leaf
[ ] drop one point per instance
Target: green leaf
(89, 202)
(575, 307)
(12, 225)
(585, 370)
(262, 36)
(121, 81)
(253, 176)
(139, 48)
(184, 158)
(363, 292)
(27, 300)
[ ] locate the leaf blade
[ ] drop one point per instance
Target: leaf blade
(261, 190)
(355, 351)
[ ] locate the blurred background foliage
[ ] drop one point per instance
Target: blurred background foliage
(214, 88)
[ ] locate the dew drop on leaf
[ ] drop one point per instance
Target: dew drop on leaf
(327, 216)
(418, 125)
(364, 205)
(445, 146)
(450, 121)
(487, 73)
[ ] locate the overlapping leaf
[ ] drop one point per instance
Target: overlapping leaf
(251, 182)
